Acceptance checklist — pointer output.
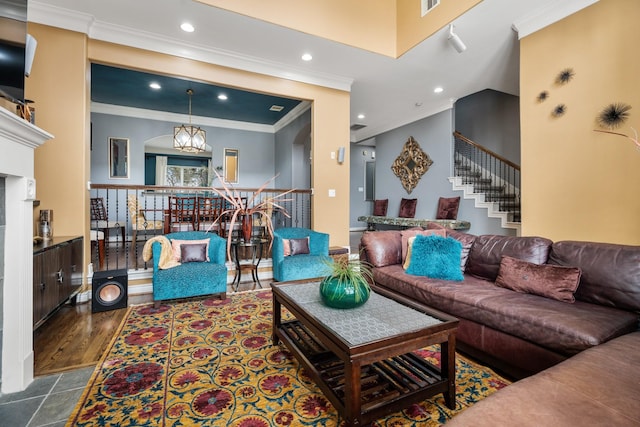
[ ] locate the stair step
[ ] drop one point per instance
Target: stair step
(487, 188)
(477, 181)
(499, 197)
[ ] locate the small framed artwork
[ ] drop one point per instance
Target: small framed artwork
(231, 165)
(118, 158)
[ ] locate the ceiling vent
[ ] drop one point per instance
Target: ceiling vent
(276, 108)
(357, 126)
(427, 5)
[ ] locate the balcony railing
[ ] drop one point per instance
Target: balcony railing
(125, 233)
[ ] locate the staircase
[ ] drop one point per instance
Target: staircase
(491, 180)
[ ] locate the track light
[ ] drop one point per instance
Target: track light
(455, 40)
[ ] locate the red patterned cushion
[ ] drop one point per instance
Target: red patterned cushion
(448, 208)
(380, 207)
(408, 208)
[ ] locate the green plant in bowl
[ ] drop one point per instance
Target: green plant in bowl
(347, 284)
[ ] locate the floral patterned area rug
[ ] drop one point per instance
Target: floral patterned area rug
(212, 363)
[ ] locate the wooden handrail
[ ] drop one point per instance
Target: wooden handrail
(461, 137)
(186, 189)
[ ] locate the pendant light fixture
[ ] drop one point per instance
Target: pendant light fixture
(189, 138)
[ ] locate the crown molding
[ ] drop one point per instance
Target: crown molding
(164, 116)
(550, 13)
(296, 112)
(75, 21)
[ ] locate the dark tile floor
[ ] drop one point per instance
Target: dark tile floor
(49, 400)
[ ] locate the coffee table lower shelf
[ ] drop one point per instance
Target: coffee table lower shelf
(386, 386)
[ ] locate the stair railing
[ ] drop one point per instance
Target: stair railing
(489, 173)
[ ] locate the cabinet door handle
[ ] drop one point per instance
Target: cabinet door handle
(42, 286)
(60, 276)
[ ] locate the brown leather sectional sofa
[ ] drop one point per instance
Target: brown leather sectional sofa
(518, 333)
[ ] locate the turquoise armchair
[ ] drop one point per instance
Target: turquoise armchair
(193, 278)
(301, 266)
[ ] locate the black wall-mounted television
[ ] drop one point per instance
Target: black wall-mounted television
(13, 40)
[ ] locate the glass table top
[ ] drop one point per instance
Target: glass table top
(378, 318)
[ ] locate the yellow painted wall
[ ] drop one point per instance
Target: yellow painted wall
(576, 183)
(412, 28)
(58, 85)
(363, 24)
(60, 89)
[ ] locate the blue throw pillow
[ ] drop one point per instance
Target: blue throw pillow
(436, 257)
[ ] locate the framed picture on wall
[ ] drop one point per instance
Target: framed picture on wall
(118, 157)
(231, 165)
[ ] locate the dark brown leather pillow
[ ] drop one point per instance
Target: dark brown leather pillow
(380, 207)
(299, 246)
(448, 208)
(408, 208)
(551, 281)
(194, 252)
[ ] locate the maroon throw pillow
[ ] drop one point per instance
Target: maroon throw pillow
(448, 208)
(195, 252)
(380, 207)
(408, 208)
(299, 246)
(547, 280)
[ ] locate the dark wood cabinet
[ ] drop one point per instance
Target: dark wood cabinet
(57, 275)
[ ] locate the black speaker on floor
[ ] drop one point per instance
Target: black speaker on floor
(109, 290)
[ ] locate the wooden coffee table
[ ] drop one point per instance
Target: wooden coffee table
(362, 359)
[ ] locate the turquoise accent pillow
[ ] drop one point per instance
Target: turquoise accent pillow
(436, 257)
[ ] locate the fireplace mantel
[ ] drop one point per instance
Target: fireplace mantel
(18, 140)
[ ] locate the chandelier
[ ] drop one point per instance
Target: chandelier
(189, 138)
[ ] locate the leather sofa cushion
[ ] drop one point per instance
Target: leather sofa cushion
(381, 248)
(610, 273)
(466, 239)
(558, 326)
(487, 251)
(598, 387)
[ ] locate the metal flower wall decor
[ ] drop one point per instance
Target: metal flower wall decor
(612, 117)
(411, 164)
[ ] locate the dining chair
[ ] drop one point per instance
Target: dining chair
(100, 219)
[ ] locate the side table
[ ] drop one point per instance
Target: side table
(255, 245)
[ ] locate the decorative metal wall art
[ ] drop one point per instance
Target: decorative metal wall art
(411, 164)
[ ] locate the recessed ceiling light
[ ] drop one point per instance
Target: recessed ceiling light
(222, 97)
(187, 27)
(155, 85)
(438, 90)
(276, 108)
(307, 57)
(361, 116)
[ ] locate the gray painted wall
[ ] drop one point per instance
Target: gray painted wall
(256, 149)
(292, 151)
(434, 134)
(492, 119)
(357, 205)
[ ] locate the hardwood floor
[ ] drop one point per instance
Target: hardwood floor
(74, 337)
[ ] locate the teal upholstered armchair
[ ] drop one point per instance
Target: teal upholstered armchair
(191, 279)
(296, 266)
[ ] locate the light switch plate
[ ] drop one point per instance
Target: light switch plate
(332, 193)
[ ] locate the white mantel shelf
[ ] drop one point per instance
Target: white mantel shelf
(18, 140)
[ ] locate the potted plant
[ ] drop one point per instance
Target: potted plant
(241, 210)
(347, 284)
